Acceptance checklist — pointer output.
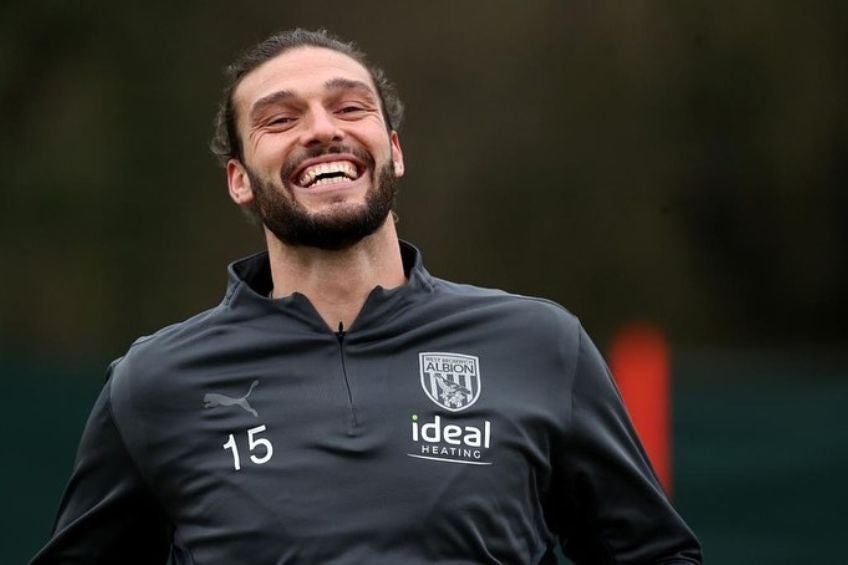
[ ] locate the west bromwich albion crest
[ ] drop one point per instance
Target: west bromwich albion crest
(451, 380)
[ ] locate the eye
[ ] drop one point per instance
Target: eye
(280, 121)
(350, 109)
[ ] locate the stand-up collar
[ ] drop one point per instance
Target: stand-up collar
(250, 284)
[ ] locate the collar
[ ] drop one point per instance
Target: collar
(249, 284)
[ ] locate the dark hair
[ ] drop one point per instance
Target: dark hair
(225, 141)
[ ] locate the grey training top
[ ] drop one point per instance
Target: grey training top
(449, 424)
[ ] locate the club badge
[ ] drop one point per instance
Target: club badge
(451, 380)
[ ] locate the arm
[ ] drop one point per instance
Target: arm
(107, 514)
(611, 508)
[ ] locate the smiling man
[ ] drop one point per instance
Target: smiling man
(317, 162)
(342, 405)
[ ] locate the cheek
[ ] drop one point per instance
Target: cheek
(256, 142)
(379, 146)
(270, 148)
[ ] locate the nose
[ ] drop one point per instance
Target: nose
(321, 128)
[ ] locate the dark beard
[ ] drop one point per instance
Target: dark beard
(293, 225)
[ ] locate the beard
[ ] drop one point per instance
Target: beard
(333, 230)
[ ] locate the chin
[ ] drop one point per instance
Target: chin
(338, 210)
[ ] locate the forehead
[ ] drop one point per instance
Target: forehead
(302, 70)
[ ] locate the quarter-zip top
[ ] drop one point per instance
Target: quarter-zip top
(480, 427)
(354, 423)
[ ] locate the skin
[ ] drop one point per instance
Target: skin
(301, 99)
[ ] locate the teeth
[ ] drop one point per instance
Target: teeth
(329, 180)
(346, 168)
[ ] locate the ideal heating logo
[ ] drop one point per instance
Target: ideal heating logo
(442, 441)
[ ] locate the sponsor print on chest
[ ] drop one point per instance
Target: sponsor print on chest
(452, 381)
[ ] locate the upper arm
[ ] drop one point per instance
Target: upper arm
(107, 513)
(611, 506)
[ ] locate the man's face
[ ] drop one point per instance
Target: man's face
(319, 165)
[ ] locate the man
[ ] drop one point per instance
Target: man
(341, 405)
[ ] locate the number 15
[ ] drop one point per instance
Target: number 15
(252, 442)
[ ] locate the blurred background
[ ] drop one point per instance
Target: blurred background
(680, 164)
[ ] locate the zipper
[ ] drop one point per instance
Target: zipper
(340, 335)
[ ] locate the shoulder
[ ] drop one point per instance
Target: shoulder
(532, 315)
(151, 360)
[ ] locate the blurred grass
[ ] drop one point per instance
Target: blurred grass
(761, 454)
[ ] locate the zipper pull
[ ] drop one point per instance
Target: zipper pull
(341, 333)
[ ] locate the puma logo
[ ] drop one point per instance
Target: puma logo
(213, 399)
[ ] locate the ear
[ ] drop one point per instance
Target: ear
(397, 154)
(238, 183)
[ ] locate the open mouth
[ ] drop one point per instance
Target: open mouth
(329, 172)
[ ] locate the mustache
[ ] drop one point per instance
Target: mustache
(294, 162)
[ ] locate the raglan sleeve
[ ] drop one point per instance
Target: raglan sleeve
(107, 514)
(610, 507)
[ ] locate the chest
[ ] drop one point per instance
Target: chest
(351, 441)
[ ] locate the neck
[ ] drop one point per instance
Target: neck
(337, 283)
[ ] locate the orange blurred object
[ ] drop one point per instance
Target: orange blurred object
(639, 361)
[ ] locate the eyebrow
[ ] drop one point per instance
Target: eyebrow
(348, 84)
(270, 100)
